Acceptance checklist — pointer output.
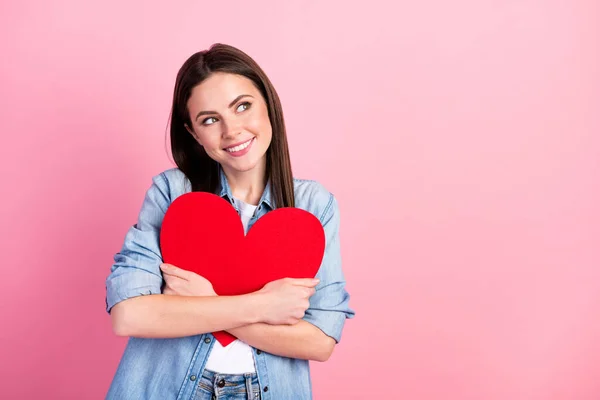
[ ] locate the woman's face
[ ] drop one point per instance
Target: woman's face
(231, 121)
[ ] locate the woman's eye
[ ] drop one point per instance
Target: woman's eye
(243, 107)
(209, 121)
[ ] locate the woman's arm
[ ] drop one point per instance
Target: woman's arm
(189, 306)
(302, 340)
(297, 339)
(164, 316)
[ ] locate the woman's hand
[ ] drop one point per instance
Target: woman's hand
(287, 300)
(185, 283)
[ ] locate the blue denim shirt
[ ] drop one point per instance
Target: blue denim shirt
(170, 368)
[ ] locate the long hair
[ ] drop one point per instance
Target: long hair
(191, 158)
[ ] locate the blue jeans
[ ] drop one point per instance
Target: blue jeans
(214, 386)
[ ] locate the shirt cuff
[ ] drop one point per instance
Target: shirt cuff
(131, 283)
(330, 322)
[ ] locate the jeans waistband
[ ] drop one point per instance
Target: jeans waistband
(230, 384)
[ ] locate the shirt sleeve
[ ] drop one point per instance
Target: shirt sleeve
(136, 268)
(329, 306)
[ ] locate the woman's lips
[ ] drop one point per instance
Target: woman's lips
(239, 150)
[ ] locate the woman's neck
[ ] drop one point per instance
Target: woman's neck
(247, 186)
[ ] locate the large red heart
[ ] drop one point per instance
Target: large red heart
(203, 233)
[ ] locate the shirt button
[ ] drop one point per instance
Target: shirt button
(207, 340)
(266, 389)
(193, 378)
(221, 383)
(258, 351)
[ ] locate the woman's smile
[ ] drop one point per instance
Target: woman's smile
(238, 150)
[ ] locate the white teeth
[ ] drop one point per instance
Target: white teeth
(240, 147)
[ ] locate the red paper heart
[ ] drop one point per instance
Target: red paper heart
(203, 233)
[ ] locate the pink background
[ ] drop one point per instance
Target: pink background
(462, 139)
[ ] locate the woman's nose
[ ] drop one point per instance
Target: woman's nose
(231, 128)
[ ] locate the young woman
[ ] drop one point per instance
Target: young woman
(228, 137)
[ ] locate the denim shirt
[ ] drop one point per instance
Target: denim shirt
(170, 368)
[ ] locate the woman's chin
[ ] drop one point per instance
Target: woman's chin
(240, 166)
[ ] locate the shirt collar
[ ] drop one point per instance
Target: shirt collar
(225, 190)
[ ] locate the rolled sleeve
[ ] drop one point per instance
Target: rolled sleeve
(329, 306)
(136, 268)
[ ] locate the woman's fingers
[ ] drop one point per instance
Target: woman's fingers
(173, 270)
(173, 281)
(308, 282)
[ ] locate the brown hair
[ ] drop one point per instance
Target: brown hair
(191, 158)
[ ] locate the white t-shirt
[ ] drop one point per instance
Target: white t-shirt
(237, 357)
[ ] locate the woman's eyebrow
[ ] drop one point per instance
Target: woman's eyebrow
(201, 113)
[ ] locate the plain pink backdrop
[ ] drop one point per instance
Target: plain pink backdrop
(461, 138)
